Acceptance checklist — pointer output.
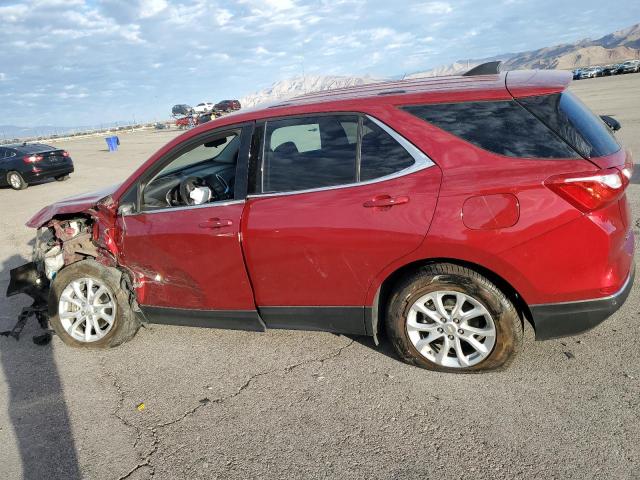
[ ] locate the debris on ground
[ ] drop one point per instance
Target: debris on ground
(140, 407)
(569, 355)
(43, 339)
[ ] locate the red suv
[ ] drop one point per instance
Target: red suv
(446, 211)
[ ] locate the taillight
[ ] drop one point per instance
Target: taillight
(31, 158)
(65, 153)
(590, 191)
(627, 170)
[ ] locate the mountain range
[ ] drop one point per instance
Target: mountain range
(612, 48)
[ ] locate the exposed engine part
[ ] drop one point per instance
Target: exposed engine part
(53, 261)
(69, 240)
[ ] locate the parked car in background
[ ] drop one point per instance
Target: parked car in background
(346, 211)
(577, 73)
(227, 106)
(205, 107)
(591, 72)
(609, 70)
(630, 66)
(26, 163)
(181, 109)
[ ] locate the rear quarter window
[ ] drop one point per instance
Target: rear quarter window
(568, 117)
(502, 127)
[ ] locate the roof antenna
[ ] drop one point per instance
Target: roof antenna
(489, 68)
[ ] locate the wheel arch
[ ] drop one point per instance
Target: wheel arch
(375, 315)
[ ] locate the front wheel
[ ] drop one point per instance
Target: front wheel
(62, 178)
(89, 308)
(449, 318)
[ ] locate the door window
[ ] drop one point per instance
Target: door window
(203, 174)
(307, 153)
(329, 150)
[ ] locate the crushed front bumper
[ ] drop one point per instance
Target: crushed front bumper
(28, 279)
(554, 320)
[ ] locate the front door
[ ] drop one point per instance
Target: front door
(340, 198)
(183, 241)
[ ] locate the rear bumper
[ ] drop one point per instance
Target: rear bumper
(555, 320)
(48, 173)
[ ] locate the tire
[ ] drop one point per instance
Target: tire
(419, 338)
(16, 181)
(123, 323)
(62, 178)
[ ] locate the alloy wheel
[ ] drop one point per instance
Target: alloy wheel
(87, 310)
(451, 329)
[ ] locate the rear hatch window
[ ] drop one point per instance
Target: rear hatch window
(568, 117)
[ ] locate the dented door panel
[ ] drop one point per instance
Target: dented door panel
(180, 261)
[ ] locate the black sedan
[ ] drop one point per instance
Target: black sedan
(29, 162)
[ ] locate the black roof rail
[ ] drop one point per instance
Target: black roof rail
(392, 92)
(489, 68)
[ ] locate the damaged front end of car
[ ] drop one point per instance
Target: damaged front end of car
(62, 238)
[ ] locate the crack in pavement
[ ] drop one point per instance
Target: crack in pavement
(121, 395)
(146, 461)
(124, 421)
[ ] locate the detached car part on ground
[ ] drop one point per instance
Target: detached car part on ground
(445, 211)
(26, 163)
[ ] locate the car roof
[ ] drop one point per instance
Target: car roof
(30, 147)
(447, 89)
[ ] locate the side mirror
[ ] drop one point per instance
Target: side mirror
(611, 122)
(126, 209)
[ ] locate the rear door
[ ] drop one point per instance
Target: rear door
(337, 198)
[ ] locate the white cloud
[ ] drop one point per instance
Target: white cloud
(434, 8)
(22, 44)
(13, 13)
(221, 56)
(223, 16)
(381, 33)
(149, 8)
(280, 4)
(3, 77)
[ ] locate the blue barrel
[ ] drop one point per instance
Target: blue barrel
(112, 143)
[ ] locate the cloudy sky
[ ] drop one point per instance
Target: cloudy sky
(83, 62)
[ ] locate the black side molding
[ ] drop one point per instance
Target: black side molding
(227, 319)
(554, 320)
(347, 320)
(489, 68)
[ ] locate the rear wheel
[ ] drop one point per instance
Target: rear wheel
(449, 318)
(15, 180)
(88, 307)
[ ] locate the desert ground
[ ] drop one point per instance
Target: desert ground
(286, 404)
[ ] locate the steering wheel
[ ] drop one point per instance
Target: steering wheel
(188, 185)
